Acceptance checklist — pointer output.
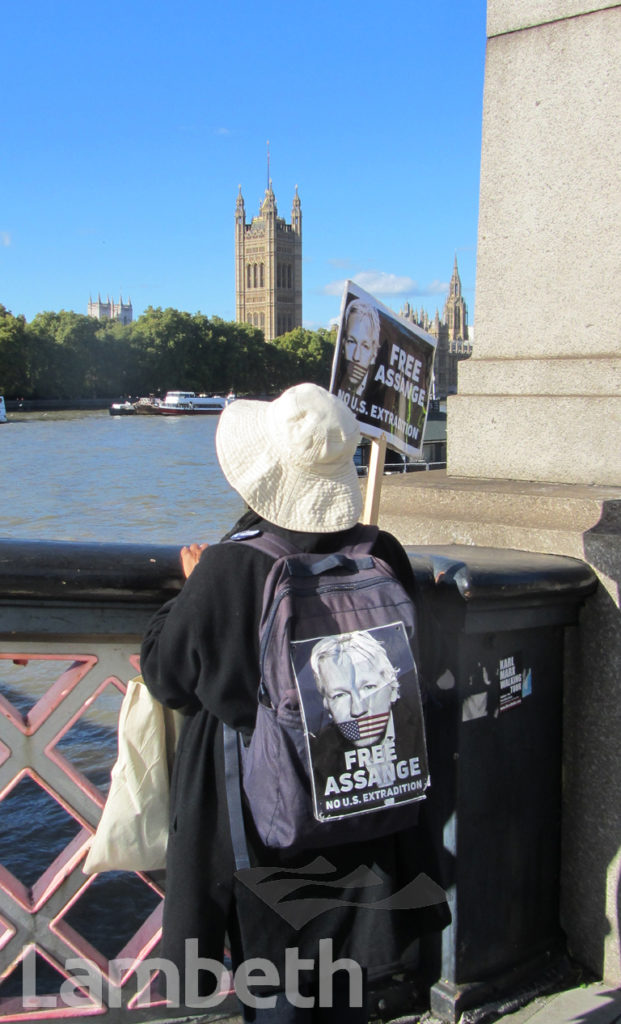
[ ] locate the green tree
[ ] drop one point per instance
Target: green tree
(117, 362)
(15, 368)
(168, 339)
(76, 354)
(67, 355)
(312, 353)
(241, 358)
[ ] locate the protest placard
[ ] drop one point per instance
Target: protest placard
(382, 370)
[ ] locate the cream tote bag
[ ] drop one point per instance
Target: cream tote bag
(133, 829)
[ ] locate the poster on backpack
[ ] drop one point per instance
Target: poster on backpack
(363, 720)
(382, 370)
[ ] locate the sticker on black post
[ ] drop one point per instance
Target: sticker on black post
(511, 679)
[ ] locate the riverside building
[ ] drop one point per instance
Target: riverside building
(111, 310)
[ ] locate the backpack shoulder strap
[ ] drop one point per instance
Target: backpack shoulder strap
(361, 542)
(269, 543)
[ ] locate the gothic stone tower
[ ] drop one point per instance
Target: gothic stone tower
(111, 310)
(452, 335)
(268, 267)
(455, 311)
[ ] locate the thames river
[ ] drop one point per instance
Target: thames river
(88, 476)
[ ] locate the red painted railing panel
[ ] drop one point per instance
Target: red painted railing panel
(32, 917)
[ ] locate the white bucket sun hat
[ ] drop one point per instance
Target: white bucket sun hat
(291, 460)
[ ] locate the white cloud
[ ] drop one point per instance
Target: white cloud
(378, 282)
(5, 238)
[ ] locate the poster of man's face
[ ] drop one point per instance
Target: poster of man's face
(358, 685)
(362, 713)
(382, 370)
(361, 343)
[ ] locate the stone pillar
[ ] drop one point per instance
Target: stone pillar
(540, 397)
(534, 434)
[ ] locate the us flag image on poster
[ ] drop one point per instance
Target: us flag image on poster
(363, 720)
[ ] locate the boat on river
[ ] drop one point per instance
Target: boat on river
(3, 418)
(122, 409)
(146, 406)
(183, 403)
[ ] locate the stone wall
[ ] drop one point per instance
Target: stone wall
(540, 398)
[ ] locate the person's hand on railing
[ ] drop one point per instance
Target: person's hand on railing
(190, 555)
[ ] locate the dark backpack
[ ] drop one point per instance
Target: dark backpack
(338, 753)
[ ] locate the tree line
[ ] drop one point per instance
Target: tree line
(68, 355)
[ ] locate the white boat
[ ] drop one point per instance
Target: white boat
(122, 409)
(184, 403)
(3, 418)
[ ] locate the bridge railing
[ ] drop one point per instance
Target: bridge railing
(71, 619)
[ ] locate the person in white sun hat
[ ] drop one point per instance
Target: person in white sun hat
(291, 461)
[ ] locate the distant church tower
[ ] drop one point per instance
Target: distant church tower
(451, 332)
(268, 267)
(111, 310)
(455, 312)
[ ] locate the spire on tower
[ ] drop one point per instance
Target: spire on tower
(296, 213)
(455, 286)
(269, 203)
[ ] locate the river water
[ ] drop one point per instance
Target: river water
(89, 476)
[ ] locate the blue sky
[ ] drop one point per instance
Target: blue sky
(128, 127)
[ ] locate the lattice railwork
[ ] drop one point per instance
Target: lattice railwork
(59, 741)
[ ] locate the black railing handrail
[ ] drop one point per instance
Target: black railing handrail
(151, 573)
(95, 571)
(505, 574)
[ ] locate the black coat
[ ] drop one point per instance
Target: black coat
(201, 651)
